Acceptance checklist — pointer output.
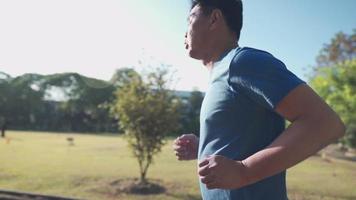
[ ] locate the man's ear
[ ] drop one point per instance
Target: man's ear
(216, 18)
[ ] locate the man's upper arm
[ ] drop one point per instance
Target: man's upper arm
(261, 77)
(303, 102)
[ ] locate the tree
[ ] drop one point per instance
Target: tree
(341, 48)
(4, 98)
(123, 76)
(61, 102)
(337, 85)
(81, 107)
(194, 102)
(147, 112)
(23, 101)
(190, 109)
(335, 80)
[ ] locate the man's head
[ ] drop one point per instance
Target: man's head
(213, 24)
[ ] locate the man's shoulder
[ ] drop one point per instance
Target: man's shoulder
(251, 59)
(251, 54)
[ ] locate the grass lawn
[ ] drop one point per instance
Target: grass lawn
(46, 163)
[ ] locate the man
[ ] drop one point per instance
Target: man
(244, 148)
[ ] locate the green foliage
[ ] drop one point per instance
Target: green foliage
(147, 112)
(73, 102)
(123, 76)
(335, 80)
(190, 109)
(27, 102)
(83, 110)
(337, 85)
(21, 101)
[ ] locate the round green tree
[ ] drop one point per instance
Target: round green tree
(147, 112)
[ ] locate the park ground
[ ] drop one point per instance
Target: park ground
(97, 166)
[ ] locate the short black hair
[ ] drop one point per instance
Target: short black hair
(231, 10)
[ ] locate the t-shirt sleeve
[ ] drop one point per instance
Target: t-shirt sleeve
(261, 77)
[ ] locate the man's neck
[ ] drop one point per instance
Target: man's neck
(217, 55)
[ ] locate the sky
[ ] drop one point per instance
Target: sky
(96, 37)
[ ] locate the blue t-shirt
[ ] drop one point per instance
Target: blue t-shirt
(238, 119)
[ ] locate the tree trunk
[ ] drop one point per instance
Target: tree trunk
(143, 177)
(142, 171)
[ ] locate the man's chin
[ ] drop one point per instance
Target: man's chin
(193, 54)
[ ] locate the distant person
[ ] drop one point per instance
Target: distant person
(244, 149)
(3, 128)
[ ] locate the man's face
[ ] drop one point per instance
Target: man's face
(197, 35)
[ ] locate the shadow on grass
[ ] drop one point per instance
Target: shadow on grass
(119, 188)
(134, 186)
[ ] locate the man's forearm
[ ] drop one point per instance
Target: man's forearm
(303, 138)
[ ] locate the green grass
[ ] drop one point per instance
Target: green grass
(45, 163)
(317, 179)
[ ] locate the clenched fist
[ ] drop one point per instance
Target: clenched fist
(220, 172)
(186, 147)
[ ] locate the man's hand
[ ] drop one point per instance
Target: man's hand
(220, 172)
(186, 147)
